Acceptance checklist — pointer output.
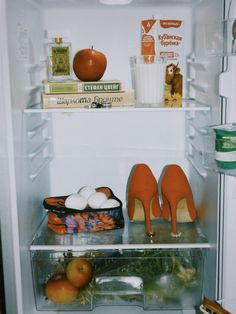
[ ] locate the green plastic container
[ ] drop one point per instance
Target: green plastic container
(225, 146)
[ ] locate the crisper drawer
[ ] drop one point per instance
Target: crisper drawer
(151, 278)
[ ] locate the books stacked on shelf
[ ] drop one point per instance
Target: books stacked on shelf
(78, 94)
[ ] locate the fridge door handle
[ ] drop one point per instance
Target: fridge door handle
(225, 84)
(227, 79)
(227, 89)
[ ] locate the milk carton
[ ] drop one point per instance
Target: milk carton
(168, 39)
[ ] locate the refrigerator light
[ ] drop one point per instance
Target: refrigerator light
(115, 2)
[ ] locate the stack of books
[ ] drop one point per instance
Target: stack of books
(78, 94)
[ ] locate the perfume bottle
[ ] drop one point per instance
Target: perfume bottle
(59, 60)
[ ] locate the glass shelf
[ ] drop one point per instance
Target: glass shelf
(187, 105)
(133, 236)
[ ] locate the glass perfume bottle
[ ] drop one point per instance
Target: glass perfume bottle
(59, 60)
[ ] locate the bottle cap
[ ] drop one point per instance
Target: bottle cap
(58, 40)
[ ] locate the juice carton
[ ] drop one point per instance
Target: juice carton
(164, 38)
(149, 73)
(148, 37)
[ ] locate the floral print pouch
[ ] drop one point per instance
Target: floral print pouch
(67, 220)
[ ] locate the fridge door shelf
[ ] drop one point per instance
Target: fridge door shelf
(211, 164)
(219, 153)
(39, 143)
(132, 236)
(218, 38)
(151, 279)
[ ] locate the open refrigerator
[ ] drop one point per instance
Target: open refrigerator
(47, 152)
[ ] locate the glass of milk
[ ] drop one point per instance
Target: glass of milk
(148, 78)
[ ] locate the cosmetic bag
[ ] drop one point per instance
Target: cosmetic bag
(63, 220)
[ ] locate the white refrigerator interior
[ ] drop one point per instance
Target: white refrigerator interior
(55, 152)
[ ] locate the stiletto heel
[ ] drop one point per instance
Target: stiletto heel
(143, 203)
(178, 204)
(173, 209)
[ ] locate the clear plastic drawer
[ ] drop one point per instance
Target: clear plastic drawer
(150, 278)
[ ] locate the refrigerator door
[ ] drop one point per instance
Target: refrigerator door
(8, 213)
(204, 68)
(18, 195)
(227, 90)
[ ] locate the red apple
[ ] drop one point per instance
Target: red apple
(79, 272)
(89, 65)
(60, 290)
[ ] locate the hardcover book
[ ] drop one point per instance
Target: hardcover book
(76, 86)
(86, 100)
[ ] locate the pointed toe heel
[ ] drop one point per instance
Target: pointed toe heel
(178, 203)
(143, 202)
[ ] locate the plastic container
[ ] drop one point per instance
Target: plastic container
(225, 146)
(152, 279)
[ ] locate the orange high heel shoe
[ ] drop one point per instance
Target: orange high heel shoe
(177, 196)
(143, 202)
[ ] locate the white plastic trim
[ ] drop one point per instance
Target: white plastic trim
(35, 174)
(115, 2)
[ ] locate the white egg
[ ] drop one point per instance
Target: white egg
(86, 191)
(110, 203)
(76, 201)
(96, 199)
